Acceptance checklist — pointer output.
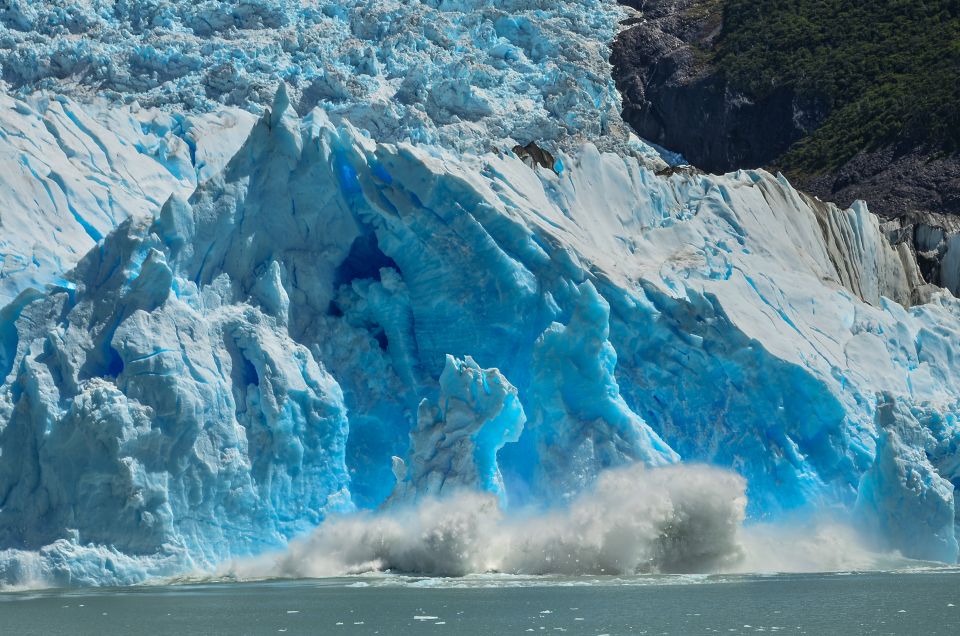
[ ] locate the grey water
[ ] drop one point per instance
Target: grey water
(914, 602)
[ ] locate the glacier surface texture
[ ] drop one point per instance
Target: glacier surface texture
(233, 318)
(460, 72)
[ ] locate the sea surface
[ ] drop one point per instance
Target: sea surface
(903, 602)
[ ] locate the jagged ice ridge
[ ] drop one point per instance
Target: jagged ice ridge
(74, 172)
(474, 76)
(463, 73)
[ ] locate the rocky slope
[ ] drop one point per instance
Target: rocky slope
(674, 97)
(677, 94)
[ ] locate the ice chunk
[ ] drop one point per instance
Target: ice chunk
(455, 443)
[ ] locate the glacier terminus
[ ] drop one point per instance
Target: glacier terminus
(275, 282)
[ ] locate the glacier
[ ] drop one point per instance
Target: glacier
(75, 171)
(215, 380)
(233, 327)
(462, 73)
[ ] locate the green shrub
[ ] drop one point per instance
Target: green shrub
(888, 71)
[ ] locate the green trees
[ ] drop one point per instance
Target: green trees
(886, 71)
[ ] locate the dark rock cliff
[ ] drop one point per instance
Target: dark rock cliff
(674, 95)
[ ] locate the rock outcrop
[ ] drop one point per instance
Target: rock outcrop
(674, 96)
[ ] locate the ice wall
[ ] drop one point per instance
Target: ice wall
(214, 381)
(907, 495)
(73, 172)
(574, 384)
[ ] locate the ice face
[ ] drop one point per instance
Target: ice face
(73, 172)
(217, 380)
(160, 421)
(573, 382)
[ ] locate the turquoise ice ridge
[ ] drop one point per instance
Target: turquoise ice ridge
(216, 380)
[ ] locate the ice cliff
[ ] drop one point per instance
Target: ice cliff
(73, 172)
(252, 328)
(213, 381)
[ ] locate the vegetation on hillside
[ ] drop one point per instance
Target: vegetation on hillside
(886, 71)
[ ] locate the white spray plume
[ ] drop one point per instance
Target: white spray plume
(821, 544)
(672, 519)
(675, 519)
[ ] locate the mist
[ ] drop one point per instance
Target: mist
(634, 520)
(678, 518)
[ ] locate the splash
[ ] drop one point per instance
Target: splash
(679, 519)
(821, 544)
(632, 520)
(635, 520)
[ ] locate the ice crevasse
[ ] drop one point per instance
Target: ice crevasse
(330, 323)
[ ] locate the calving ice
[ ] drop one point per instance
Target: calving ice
(350, 351)
(218, 379)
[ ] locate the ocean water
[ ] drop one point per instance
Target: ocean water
(904, 602)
